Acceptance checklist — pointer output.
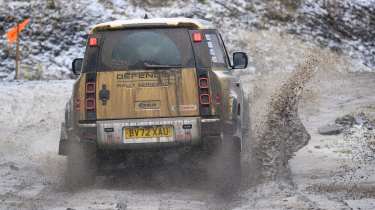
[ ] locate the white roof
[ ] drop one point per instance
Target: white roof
(119, 24)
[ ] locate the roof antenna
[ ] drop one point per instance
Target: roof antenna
(146, 16)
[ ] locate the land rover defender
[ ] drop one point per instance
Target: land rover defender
(149, 84)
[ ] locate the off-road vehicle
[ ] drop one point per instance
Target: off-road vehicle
(153, 84)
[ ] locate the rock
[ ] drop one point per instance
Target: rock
(13, 167)
(121, 206)
(361, 119)
(330, 129)
(46, 47)
(347, 121)
(56, 52)
(68, 42)
(3, 55)
(41, 38)
(35, 51)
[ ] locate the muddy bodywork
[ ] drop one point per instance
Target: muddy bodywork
(107, 133)
(153, 97)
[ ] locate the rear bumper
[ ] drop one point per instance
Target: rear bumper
(188, 131)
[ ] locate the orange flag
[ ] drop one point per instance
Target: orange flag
(12, 33)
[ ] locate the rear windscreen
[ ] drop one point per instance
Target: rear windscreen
(138, 48)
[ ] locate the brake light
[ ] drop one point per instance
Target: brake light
(90, 104)
(204, 92)
(197, 37)
(93, 42)
(90, 87)
(203, 82)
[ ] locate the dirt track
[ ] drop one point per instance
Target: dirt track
(322, 175)
(32, 173)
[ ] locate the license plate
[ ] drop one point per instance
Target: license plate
(148, 132)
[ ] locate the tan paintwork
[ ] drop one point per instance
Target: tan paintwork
(222, 83)
(79, 90)
(170, 96)
(154, 22)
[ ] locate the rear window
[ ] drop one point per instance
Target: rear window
(136, 48)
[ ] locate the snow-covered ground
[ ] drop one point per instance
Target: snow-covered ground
(330, 172)
(324, 175)
(56, 34)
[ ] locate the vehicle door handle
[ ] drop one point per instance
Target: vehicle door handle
(104, 94)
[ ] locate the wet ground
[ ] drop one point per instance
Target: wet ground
(328, 172)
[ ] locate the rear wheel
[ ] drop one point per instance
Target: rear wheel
(81, 166)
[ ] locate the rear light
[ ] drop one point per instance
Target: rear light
(204, 92)
(205, 99)
(197, 37)
(93, 42)
(90, 104)
(90, 87)
(203, 82)
(90, 96)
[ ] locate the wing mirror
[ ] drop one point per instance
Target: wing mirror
(77, 66)
(240, 60)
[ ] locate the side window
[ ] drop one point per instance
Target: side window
(216, 52)
(90, 63)
(209, 51)
(225, 51)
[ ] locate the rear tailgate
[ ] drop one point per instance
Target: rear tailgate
(147, 94)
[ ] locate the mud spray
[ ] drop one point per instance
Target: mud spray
(276, 131)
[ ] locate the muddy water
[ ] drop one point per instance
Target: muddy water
(282, 133)
(276, 129)
(286, 72)
(288, 102)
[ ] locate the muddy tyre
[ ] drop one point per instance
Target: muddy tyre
(81, 166)
(226, 165)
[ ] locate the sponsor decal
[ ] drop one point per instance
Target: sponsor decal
(151, 105)
(108, 130)
(187, 126)
(144, 79)
(186, 108)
